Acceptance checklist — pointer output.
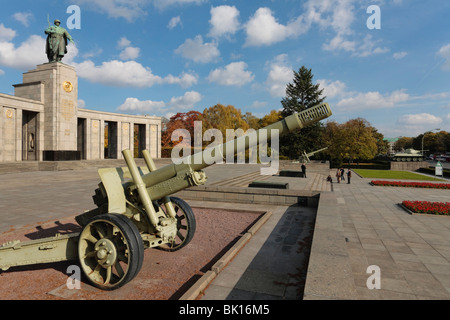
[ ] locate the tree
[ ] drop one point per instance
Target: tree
(272, 117)
(183, 121)
(223, 118)
(300, 95)
(252, 121)
(433, 142)
(354, 140)
(382, 144)
(360, 143)
(403, 143)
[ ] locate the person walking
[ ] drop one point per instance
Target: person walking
(349, 175)
(342, 174)
(303, 170)
(338, 176)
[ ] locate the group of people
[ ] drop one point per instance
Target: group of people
(340, 175)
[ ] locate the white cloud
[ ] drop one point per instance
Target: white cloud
(162, 4)
(20, 57)
(233, 74)
(332, 89)
(185, 102)
(128, 74)
(372, 100)
(444, 52)
(134, 105)
(411, 125)
(81, 104)
(419, 119)
(279, 76)
(2, 72)
(127, 9)
(6, 34)
(72, 53)
(400, 55)
(118, 73)
(224, 21)
(197, 51)
(339, 43)
(418, 123)
(258, 105)
(175, 21)
(123, 42)
(130, 53)
(263, 29)
(185, 80)
(338, 15)
(23, 17)
(161, 108)
(369, 47)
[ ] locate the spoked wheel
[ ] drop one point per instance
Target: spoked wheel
(185, 224)
(111, 251)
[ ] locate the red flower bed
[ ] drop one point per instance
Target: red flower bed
(411, 184)
(440, 208)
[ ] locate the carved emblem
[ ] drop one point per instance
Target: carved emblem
(68, 87)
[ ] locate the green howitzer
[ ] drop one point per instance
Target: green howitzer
(136, 210)
(305, 156)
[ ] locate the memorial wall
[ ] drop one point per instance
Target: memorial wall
(42, 122)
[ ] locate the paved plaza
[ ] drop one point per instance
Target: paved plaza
(355, 226)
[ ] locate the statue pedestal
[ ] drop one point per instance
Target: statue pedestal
(56, 85)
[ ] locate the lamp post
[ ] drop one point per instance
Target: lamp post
(423, 137)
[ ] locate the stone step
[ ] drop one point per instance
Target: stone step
(29, 166)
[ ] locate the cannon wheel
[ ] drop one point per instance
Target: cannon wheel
(111, 251)
(186, 224)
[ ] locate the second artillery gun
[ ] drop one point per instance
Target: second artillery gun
(304, 158)
(135, 211)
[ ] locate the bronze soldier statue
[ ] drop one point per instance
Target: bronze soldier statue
(57, 40)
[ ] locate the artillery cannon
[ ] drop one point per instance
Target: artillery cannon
(304, 158)
(135, 211)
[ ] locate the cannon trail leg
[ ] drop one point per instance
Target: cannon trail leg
(52, 249)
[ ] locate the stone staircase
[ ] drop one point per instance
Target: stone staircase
(242, 181)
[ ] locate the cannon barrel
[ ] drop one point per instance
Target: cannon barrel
(189, 173)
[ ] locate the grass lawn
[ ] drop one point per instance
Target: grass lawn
(388, 174)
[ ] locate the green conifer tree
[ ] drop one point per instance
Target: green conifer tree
(301, 94)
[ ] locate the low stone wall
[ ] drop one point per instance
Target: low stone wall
(313, 166)
(408, 165)
(251, 195)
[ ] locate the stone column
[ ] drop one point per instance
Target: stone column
(60, 106)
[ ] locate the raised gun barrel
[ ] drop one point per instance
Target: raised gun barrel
(188, 173)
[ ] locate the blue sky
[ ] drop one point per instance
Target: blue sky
(160, 57)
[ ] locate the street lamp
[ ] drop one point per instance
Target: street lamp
(425, 134)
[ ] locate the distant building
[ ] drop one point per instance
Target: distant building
(391, 142)
(42, 122)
